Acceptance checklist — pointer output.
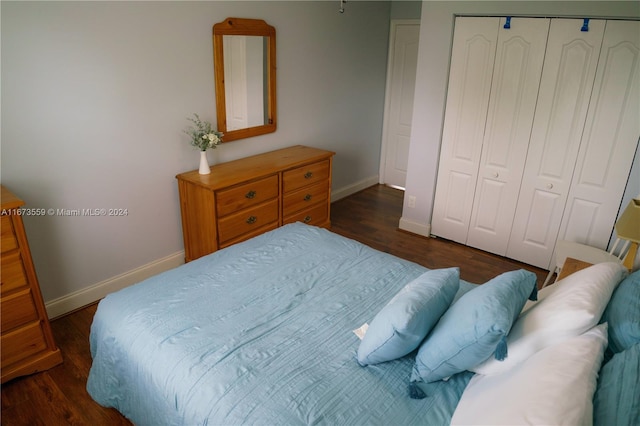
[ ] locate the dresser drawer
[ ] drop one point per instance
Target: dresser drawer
(305, 197)
(306, 175)
(246, 221)
(318, 215)
(8, 240)
(248, 235)
(13, 275)
(18, 309)
(249, 194)
(21, 343)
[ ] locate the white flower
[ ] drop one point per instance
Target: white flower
(203, 136)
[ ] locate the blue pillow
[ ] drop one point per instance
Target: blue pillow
(617, 397)
(475, 327)
(623, 314)
(405, 321)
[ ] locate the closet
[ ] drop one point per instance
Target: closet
(541, 125)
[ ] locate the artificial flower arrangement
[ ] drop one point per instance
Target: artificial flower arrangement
(203, 136)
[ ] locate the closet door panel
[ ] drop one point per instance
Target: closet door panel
(472, 62)
(609, 141)
(514, 91)
(567, 81)
(537, 233)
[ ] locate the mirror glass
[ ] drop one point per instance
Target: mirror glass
(244, 67)
(245, 82)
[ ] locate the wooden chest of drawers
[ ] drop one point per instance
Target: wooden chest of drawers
(247, 197)
(27, 343)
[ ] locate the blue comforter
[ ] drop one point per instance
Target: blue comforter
(260, 333)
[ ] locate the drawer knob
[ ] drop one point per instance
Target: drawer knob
(251, 220)
(307, 219)
(307, 197)
(308, 175)
(250, 194)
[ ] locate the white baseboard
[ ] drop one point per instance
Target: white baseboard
(88, 295)
(343, 192)
(423, 229)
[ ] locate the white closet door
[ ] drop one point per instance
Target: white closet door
(514, 90)
(565, 90)
(472, 60)
(609, 141)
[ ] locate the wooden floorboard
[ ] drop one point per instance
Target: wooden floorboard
(372, 216)
(59, 397)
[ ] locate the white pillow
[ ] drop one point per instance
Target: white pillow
(553, 387)
(567, 308)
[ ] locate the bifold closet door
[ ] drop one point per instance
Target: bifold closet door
(471, 71)
(560, 117)
(493, 85)
(526, 160)
(609, 141)
(520, 54)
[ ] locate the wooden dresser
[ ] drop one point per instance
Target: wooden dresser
(247, 197)
(27, 343)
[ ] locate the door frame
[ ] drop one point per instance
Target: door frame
(387, 93)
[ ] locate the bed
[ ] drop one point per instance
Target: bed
(267, 332)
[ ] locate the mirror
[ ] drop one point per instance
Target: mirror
(244, 59)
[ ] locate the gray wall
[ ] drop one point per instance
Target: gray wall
(405, 9)
(95, 97)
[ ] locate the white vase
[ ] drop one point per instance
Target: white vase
(204, 164)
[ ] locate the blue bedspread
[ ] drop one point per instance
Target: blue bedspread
(261, 333)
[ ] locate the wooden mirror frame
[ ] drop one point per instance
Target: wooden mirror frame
(251, 27)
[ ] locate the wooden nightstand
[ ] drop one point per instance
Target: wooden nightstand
(570, 266)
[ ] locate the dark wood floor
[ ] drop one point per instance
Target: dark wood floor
(372, 217)
(58, 396)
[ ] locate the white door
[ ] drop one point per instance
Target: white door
(235, 71)
(514, 91)
(401, 78)
(255, 62)
(609, 140)
(470, 74)
(565, 92)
